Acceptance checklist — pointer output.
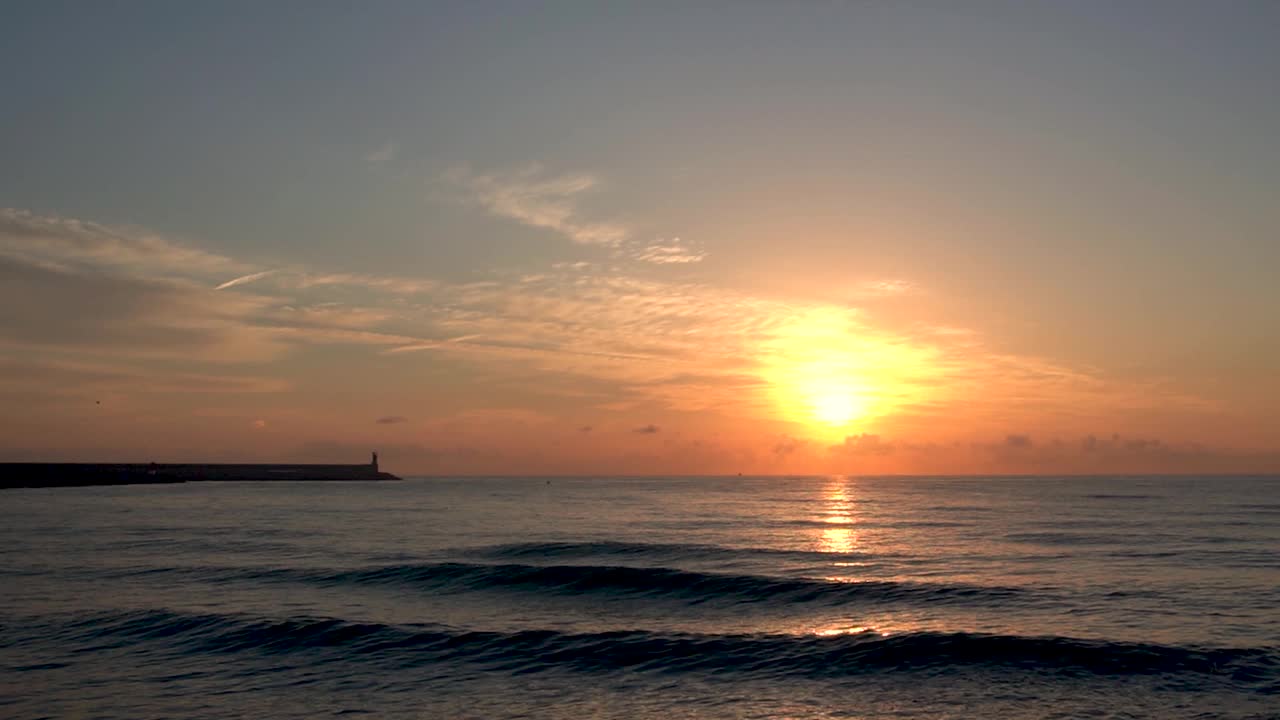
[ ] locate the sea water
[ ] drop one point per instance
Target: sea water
(797, 597)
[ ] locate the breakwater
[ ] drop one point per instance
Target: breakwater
(19, 475)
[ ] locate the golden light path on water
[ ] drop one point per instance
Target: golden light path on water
(839, 536)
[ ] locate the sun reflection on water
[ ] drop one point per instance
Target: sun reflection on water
(854, 630)
(838, 513)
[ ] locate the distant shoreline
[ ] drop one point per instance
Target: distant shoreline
(41, 475)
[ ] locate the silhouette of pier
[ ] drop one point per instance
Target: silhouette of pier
(28, 475)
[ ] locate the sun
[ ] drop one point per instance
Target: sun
(835, 405)
(830, 373)
(825, 392)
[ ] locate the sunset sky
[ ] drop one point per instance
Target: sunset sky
(641, 238)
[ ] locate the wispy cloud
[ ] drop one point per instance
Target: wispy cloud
(887, 287)
(303, 279)
(130, 316)
(391, 420)
(534, 197)
(670, 252)
(595, 335)
(69, 243)
(129, 292)
(244, 279)
(429, 345)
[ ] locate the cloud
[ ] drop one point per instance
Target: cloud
(887, 287)
(593, 335)
(259, 424)
(539, 199)
(788, 445)
(68, 244)
(585, 429)
(391, 420)
(647, 430)
(328, 315)
(430, 345)
(863, 445)
(697, 347)
(149, 314)
(1114, 453)
(670, 252)
(42, 307)
(87, 287)
(72, 245)
(244, 279)
(1085, 456)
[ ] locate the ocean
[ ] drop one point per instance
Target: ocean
(780, 597)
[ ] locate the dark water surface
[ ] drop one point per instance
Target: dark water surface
(644, 598)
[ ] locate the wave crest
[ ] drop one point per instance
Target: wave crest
(640, 650)
(693, 587)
